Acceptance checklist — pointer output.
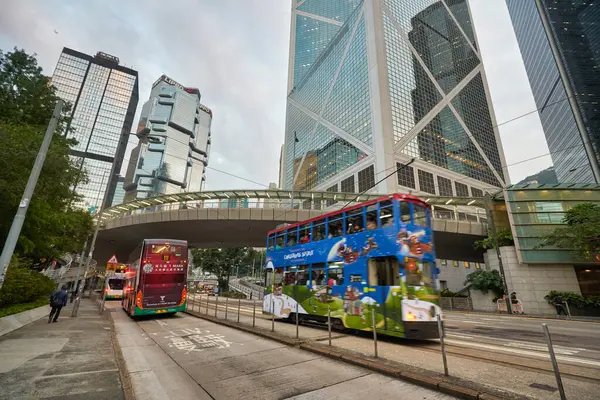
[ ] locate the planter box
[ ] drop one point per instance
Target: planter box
(16, 321)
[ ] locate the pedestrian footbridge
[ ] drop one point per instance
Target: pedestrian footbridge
(243, 217)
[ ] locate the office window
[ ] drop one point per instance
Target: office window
(333, 188)
(426, 182)
(348, 185)
(477, 192)
(406, 176)
(445, 186)
(462, 190)
(366, 179)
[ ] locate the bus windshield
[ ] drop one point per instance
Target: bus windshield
(116, 284)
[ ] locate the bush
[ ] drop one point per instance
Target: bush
(574, 299)
(486, 280)
(449, 293)
(23, 285)
(233, 295)
(504, 238)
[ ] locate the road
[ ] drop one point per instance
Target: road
(184, 357)
(476, 342)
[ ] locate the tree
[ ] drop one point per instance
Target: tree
(486, 280)
(220, 262)
(504, 237)
(581, 233)
(52, 226)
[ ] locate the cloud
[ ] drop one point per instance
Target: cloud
(234, 52)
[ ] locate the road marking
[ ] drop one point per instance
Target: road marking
(541, 347)
(524, 352)
(161, 323)
(474, 322)
(459, 336)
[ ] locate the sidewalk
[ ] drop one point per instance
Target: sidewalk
(71, 359)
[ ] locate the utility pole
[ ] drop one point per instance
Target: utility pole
(17, 224)
(492, 226)
(91, 253)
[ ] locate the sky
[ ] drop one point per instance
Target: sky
(236, 53)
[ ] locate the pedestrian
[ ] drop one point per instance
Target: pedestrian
(559, 305)
(58, 300)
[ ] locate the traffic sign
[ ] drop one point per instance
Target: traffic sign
(113, 260)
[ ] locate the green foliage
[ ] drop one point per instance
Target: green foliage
(504, 237)
(23, 285)
(581, 234)
(233, 295)
(18, 308)
(449, 293)
(221, 262)
(52, 226)
(574, 299)
(486, 280)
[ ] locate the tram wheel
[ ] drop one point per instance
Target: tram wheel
(337, 324)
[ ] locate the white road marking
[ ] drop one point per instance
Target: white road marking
(161, 323)
(459, 336)
(541, 347)
(524, 352)
(474, 322)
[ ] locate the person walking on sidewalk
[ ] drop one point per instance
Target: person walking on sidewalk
(560, 306)
(58, 300)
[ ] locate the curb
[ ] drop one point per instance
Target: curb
(431, 380)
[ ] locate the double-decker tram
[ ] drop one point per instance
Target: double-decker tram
(156, 283)
(371, 259)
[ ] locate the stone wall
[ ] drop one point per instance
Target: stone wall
(533, 281)
(483, 302)
(455, 276)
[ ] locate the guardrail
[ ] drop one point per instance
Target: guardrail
(251, 293)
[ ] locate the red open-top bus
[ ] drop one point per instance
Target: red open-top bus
(156, 283)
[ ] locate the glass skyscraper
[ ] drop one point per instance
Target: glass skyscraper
(560, 44)
(375, 83)
(174, 146)
(103, 96)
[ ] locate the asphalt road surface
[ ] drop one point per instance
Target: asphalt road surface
(181, 357)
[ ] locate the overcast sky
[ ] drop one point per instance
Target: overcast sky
(236, 53)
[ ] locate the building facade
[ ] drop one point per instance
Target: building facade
(174, 146)
(119, 195)
(103, 96)
(560, 45)
(373, 84)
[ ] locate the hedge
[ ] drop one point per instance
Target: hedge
(23, 285)
(574, 299)
(233, 295)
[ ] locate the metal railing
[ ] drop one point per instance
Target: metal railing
(249, 292)
(459, 208)
(456, 303)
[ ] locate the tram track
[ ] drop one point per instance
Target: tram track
(527, 360)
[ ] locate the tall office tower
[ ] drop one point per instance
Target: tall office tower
(375, 83)
(103, 97)
(560, 44)
(174, 146)
(119, 194)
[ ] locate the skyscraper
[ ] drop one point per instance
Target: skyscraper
(103, 97)
(174, 146)
(375, 83)
(560, 44)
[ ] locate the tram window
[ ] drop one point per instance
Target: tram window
(384, 271)
(290, 275)
(292, 237)
(268, 277)
(386, 213)
(318, 232)
(318, 275)
(304, 234)
(279, 241)
(404, 212)
(271, 242)
(335, 226)
(354, 220)
(420, 215)
(371, 217)
(418, 273)
(302, 275)
(335, 273)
